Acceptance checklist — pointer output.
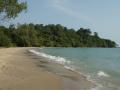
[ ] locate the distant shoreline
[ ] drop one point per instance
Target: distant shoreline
(58, 47)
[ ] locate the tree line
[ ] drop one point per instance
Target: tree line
(38, 35)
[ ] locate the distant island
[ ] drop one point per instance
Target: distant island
(38, 35)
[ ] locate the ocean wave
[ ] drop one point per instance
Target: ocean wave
(66, 63)
(102, 74)
(56, 59)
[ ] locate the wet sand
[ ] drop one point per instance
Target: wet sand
(22, 70)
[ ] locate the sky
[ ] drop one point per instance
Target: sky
(102, 16)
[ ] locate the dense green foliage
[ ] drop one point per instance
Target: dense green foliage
(28, 35)
(11, 8)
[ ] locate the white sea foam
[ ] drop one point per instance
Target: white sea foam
(56, 59)
(69, 68)
(41, 48)
(102, 74)
(98, 87)
(63, 61)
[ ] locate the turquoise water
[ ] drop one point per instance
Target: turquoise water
(101, 65)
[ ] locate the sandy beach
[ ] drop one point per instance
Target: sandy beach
(18, 72)
(21, 70)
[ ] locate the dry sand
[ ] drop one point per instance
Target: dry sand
(18, 72)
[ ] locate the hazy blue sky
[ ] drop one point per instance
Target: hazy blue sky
(102, 16)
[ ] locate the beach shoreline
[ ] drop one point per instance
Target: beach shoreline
(22, 70)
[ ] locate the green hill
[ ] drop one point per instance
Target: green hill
(37, 35)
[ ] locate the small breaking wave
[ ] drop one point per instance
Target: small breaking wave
(56, 59)
(102, 74)
(69, 68)
(63, 61)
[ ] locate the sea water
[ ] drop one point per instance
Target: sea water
(100, 65)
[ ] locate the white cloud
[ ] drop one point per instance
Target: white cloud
(59, 2)
(61, 5)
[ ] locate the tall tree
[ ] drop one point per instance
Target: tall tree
(96, 34)
(11, 8)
